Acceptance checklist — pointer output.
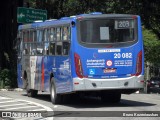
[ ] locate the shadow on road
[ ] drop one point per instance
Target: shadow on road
(95, 102)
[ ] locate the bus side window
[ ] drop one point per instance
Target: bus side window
(52, 34)
(66, 39)
(52, 38)
(39, 48)
(26, 48)
(66, 47)
(33, 43)
(39, 42)
(58, 32)
(59, 48)
(52, 48)
(58, 41)
(33, 49)
(26, 36)
(46, 42)
(31, 36)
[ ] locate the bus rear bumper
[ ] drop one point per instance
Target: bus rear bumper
(133, 82)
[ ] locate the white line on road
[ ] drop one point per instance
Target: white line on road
(37, 110)
(2, 98)
(55, 106)
(14, 105)
(9, 101)
(18, 108)
(45, 107)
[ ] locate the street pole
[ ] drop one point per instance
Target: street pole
(147, 76)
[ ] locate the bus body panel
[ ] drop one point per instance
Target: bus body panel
(117, 64)
(62, 74)
(48, 65)
(19, 75)
(90, 84)
(40, 69)
(109, 68)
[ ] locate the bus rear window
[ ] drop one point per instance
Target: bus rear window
(107, 30)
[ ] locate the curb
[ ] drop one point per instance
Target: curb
(14, 89)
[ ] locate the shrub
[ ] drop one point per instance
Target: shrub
(5, 78)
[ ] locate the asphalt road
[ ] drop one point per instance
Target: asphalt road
(94, 109)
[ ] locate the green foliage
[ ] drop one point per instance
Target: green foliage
(147, 9)
(32, 3)
(151, 46)
(7, 79)
(6, 56)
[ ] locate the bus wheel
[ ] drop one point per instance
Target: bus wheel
(113, 97)
(55, 98)
(32, 93)
(25, 80)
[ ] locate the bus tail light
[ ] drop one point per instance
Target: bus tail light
(139, 64)
(78, 65)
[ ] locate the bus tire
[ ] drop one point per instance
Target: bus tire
(55, 98)
(112, 97)
(32, 93)
(66, 98)
(25, 80)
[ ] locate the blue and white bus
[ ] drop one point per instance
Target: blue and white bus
(92, 53)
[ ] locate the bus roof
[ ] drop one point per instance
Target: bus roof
(68, 20)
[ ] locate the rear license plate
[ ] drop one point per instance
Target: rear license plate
(109, 70)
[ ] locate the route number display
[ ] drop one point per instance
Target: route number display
(123, 24)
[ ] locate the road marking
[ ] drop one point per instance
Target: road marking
(14, 105)
(18, 108)
(55, 106)
(29, 104)
(2, 98)
(37, 110)
(45, 107)
(9, 101)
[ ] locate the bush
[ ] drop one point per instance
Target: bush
(151, 46)
(8, 79)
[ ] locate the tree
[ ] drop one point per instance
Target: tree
(151, 46)
(147, 9)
